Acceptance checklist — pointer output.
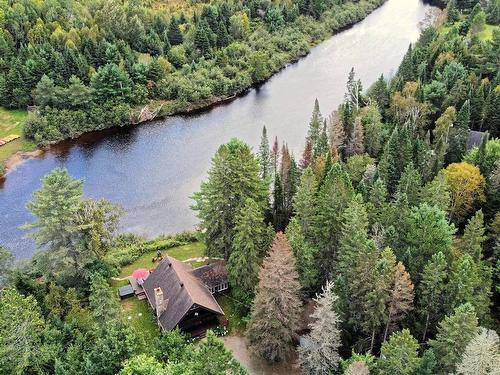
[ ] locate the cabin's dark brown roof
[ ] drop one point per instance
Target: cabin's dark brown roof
(181, 288)
(212, 274)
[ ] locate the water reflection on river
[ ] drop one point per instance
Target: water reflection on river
(152, 170)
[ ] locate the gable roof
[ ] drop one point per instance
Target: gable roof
(182, 289)
(212, 274)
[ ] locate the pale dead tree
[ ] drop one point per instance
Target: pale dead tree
(319, 353)
(337, 132)
(481, 355)
(357, 368)
(356, 144)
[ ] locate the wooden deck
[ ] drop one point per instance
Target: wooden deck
(138, 289)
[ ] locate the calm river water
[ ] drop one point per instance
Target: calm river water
(153, 169)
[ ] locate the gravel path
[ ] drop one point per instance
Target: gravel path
(255, 366)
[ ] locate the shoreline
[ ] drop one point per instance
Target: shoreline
(20, 157)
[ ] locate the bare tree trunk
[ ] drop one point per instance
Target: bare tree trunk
(373, 340)
(387, 326)
(426, 327)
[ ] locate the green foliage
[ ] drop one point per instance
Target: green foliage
(454, 333)
(399, 355)
(249, 246)
(233, 178)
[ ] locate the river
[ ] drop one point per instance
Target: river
(153, 169)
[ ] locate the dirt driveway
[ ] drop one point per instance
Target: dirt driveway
(255, 366)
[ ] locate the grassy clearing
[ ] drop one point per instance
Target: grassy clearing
(192, 250)
(137, 312)
(11, 122)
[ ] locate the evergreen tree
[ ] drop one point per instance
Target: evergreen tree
(21, 331)
(265, 156)
(321, 147)
(353, 96)
(102, 300)
(470, 282)
(474, 236)
(380, 93)
(320, 354)
(399, 355)
(276, 309)
(248, 247)
(459, 134)
(427, 364)
(454, 333)
(110, 82)
(174, 34)
(333, 197)
(432, 291)
(428, 232)
(410, 184)
(304, 201)
(377, 202)
(481, 355)
(436, 193)
(315, 125)
(397, 154)
(233, 177)
(305, 254)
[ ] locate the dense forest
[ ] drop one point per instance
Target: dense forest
(92, 64)
(389, 221)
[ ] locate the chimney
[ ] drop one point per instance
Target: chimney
(161, 303)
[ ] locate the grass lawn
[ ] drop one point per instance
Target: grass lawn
(192, 250)
(11, 122)
(137, 312)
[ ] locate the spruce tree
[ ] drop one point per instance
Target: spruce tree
(320, 354)
(103, 301)
(410, 184)
(470, 281)
(436, 193)
(306, 159)
(427, 364)
(399, 355)
(265, 156)
(315, 125)
(305, 254)
(432, 291)
(453, 335)
(250, 237)
(233, 177)
(333, 197)
(474, 236)
(304, 201)
(321, 146)
(276, 308)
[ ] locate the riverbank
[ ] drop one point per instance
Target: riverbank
(159, 109)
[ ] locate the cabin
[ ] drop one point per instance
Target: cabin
(475, 138)
(183, 297)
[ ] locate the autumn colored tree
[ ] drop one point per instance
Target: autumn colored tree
(401, 298)
(467, 189)
(276, 308)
